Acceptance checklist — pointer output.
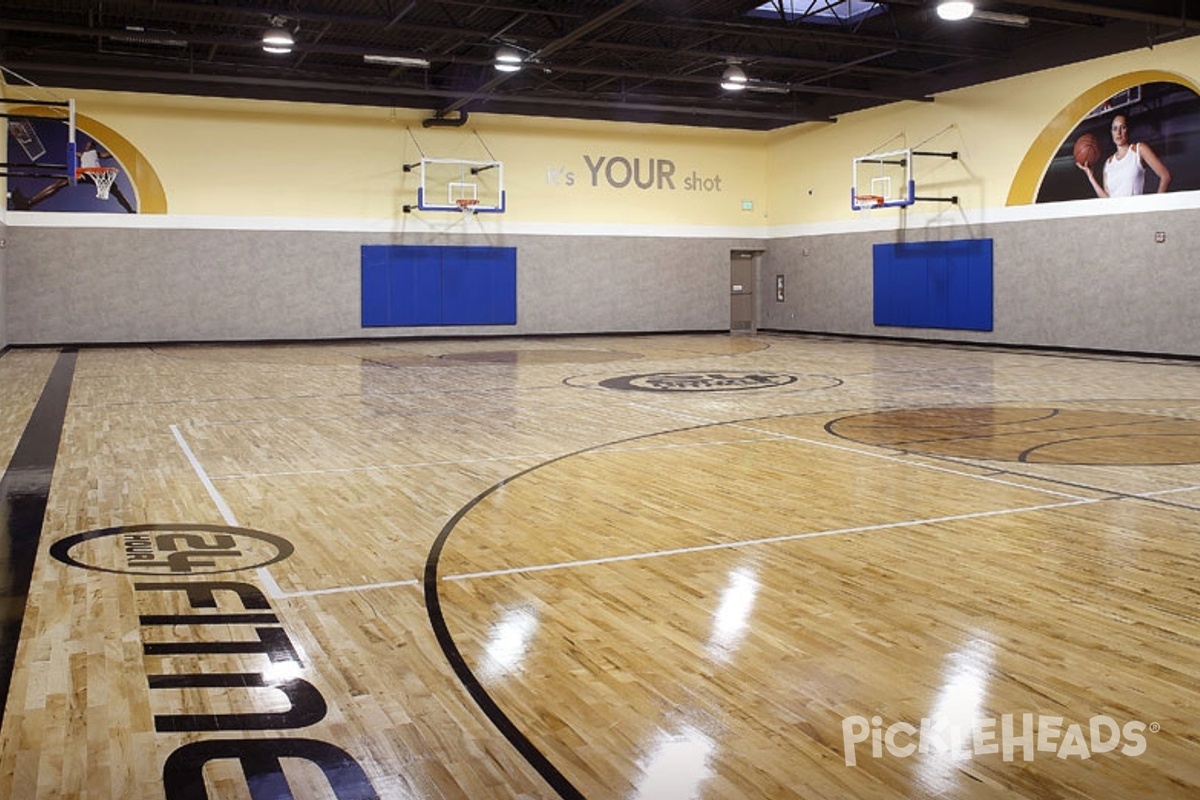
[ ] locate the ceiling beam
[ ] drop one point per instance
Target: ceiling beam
(809, 86)
(390, 90)
(820, 33)
(1094, 9)
(549, 49)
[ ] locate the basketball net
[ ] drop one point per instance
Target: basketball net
(103, 177)
(467, 204)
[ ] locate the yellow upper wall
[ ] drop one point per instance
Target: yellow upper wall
(229, 157)
(255, 158)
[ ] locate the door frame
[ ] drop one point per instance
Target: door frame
(739, 254)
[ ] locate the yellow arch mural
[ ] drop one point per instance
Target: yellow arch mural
(1029, 175)
(151, 197)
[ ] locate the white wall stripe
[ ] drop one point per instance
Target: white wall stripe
(493, 224)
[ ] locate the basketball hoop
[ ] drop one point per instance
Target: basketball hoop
(467, 204)
(869, 200)
(103, 177)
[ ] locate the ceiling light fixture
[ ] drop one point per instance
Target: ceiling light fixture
(402, 61)
(136, 34)
(1000, 18)
(734, 78)
(508, 59)
(278, 39)
(955, 10)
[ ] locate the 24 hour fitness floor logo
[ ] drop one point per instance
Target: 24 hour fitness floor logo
(242, 709)
(698, 381)
(171, 550)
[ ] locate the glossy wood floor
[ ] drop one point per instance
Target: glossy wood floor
(610, 567)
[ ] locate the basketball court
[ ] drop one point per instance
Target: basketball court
(655, 566)
(312, 512)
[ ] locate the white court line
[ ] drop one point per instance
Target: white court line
(340, 589)
(607, 447)
(1158, 492)
(268, 580)
(778, 436)
(910, 463)
(380, 467)
(626, 447)
(273, 589)
(676, 413)
(222, 506)
(789, 537)
(773, 435)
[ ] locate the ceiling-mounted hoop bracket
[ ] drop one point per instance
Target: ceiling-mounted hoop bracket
(440, 121)
(952, 155)
(864, 200)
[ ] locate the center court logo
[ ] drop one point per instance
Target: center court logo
(1030, 734)
(698, 381)
(171, 550)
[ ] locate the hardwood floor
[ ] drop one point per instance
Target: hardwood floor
(645, 566)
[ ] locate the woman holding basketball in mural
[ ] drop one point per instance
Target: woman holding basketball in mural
(1125, 170)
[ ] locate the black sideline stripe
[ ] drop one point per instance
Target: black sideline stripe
(24, 489)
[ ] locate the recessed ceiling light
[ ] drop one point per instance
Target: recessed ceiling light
(955, 10)
(734, 78)
(278, 40)
(508, 59)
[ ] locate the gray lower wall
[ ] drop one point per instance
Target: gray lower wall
(1099, 283)
(92, 285)
(1088, 282)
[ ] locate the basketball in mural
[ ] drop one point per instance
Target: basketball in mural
(1087, 150)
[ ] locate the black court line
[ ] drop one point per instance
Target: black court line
(989, 431)
(441, 629)
(433, 607)
(24, 490)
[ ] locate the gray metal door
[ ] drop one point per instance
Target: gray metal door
(742, 308)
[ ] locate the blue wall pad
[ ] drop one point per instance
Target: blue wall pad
(934, 284)
(414, 286)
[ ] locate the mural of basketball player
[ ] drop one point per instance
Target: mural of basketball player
(88, 157)
(1125, 170)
